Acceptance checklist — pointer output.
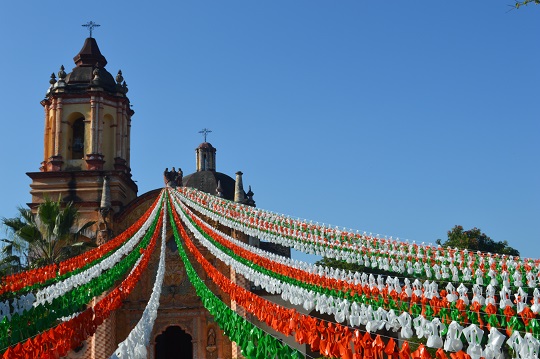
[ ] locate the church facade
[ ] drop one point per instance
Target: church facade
(86, 160)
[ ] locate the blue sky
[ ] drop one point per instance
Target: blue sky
(399, 118)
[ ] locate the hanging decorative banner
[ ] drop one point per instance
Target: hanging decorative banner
(254, 342)
(134, 346)
(49, 293)
(345, 291)
(342, 309)
(390, 255)
(58, 341)
(19, 281)
(332, 340)
(45, 315)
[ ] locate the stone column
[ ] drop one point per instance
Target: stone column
(94, 160)
(99, 119)
(124, 130)
(119, 129)
(54, 162)
(128, 147)
(239, 194)
(47, 134)
(92, 125)
(58, 128)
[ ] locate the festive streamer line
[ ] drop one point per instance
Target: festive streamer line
(433, 330)
(412, 259)
(43, 275)
(332, 340)
(253, 341)
(68, 281)
(137, 341)
(349, 281)
(48, 294)
(58, 341)
(388, 297)
(22, 327)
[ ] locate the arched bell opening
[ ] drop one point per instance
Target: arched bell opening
(77, 139)
(174, 343)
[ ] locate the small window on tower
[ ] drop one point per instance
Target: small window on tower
(77, 145)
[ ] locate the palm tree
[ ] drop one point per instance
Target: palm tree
(12, 256)
(49, 236)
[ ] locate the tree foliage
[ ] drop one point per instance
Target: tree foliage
(50, 236)
(519, 4)
(475, 240)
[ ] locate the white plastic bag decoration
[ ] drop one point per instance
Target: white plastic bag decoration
(473, 335)
(530, 346)
(437, 271)
(434, 331)
(531, 279)
(434, 290)
(536, 301)
(477, 295)
(467, 274)
(417, 288)
(462, 291)
(505, 298)
(371, 322)
(479, 276)
(517, 279)
(505, 279)
(419, 324)
(490, 295)
(354, 317)
(392, 321)
(493, 349)
(455, 274)
(520, 300)
(452, 294)
(515, 341)
(407, 288)
(453, 342)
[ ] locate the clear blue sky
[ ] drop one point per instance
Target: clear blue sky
(402, 118)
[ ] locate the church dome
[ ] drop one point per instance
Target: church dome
(207, 181)
(206, 145)
(89, 71)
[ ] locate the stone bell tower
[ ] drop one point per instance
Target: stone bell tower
(87, 139)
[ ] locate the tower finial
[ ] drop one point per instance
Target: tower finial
(205, 131)
(91, 25)
(239, 194)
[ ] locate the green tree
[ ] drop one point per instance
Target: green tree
(47, 237)
(475, 240)
(12, 257)
(519, 4)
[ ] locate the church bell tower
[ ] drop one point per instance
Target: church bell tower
(87, 138)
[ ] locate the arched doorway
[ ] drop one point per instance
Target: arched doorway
(174, 343)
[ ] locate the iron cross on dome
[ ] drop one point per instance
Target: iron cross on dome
(91, 25)
(205, 132)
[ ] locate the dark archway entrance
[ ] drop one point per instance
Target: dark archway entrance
(174, 343)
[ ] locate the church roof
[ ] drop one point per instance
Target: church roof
(207, 181)
(90, 54)
(89, 71)
(206, 145)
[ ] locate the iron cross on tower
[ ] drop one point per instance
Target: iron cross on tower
(205, 132)
(90, 25)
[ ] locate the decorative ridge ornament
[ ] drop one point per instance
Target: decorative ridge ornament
(91, 25)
